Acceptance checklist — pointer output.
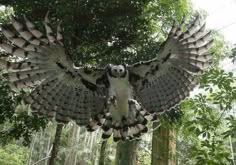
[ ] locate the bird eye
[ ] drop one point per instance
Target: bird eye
(115, 70)
(121, 70)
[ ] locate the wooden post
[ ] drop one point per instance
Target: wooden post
(172, 146)
(71, 154)
(103, 153)
(163, 146)
(56, 144)
(126, 153)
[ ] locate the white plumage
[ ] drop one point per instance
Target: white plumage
(117, 98)
(121, 89)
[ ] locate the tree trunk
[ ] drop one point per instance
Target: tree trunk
(233, 146)
(126, 153)
(172, 147)
(103, 153)
(48, 148)
(71, 154)
(40, 151)
(56, 144)
(32, 149)
(163, 146)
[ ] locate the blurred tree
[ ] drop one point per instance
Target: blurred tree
(126, 153)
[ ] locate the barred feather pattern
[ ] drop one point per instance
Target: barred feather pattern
(65, 92)
(166, 80)
(60, 90)
(129, 128)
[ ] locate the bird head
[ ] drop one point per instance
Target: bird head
(118, 71)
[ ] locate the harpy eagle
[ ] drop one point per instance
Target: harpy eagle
(118, 98)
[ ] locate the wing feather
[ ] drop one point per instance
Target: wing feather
(59, 34)
(60, 89)
(60, 101)
(192, 29)
(164, 81)
(36, 33)
(28, 36)
(48, 29)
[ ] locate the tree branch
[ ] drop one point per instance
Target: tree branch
(45, 158)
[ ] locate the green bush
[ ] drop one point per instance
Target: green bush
(12, 154)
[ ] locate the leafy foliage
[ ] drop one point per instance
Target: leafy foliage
(6, 102)
(13, 155)
(233, 54)
(18, 123)
(207, 116)
(22, 127)
(4, 13)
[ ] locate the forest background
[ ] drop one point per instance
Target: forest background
(201, 130)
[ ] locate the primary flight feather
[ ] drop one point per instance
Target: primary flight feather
(118, 98)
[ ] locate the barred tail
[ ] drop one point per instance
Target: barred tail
(129, 128)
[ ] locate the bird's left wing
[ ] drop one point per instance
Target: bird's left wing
(167, 79)
(40, 61)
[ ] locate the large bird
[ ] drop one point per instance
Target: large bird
(118, 98)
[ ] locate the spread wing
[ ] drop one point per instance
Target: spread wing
(167, 79)
(60, 89)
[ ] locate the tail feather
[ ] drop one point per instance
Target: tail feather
(128, 128)
(117, 135)
(92, 126)
(124, 132)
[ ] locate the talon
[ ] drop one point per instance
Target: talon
(113, 100)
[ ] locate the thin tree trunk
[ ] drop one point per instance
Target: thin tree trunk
(103, 153)
(126, 153)
(159, 146)
(41, 160)
(32, 149)
(163, 146)
(233, 147)
(70, 155)
(172, 147)
(48, 149)
(41, 141)
(56, 144)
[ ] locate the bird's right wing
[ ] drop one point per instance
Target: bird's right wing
(164, 81)
(60, 89)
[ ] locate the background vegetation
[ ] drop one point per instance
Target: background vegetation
(200, 131)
